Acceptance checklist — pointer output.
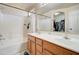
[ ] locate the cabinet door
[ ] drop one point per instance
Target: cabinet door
(38, 49)
(39, 41)
(33, 49)
(32, 38)
(38, 53)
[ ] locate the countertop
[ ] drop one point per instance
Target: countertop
(71, 43)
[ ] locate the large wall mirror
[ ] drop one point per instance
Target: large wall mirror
(67, 22)
(43, 23)
(59, 22)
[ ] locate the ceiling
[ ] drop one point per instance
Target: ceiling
(41, 10)
(53, 6)
(24, 6)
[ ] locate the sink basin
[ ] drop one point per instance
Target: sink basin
(74, 40)
(58, 38)
(71, 40)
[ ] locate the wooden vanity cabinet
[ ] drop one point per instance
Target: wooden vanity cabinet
(31, 45)
(37, 46)
(45, 52)
(33, 50)
(28, 46)
(57, 50)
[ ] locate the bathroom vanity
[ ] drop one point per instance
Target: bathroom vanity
(45, 44)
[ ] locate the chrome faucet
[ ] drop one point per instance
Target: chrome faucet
(66, 36)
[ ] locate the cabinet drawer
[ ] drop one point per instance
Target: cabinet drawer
(39, 41)
(32, 38)
(39, 49)
(57, 49)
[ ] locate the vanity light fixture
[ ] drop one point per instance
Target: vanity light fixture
(29, 14)
(57, 13)
(43, 4)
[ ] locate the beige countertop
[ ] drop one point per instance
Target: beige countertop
(71, 43)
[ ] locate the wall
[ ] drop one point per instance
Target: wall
(33, 22)
(11, 30)
(73, 19)
(26, 30)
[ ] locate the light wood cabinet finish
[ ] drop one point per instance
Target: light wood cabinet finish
(32, 38)
(33, 50)
(45, 52)
(57, 50)
(31, 45)
(38, 46)
(28, 45)
(38, 53)
(39, 41)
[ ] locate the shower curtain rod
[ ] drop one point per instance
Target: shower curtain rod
(22, 9)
